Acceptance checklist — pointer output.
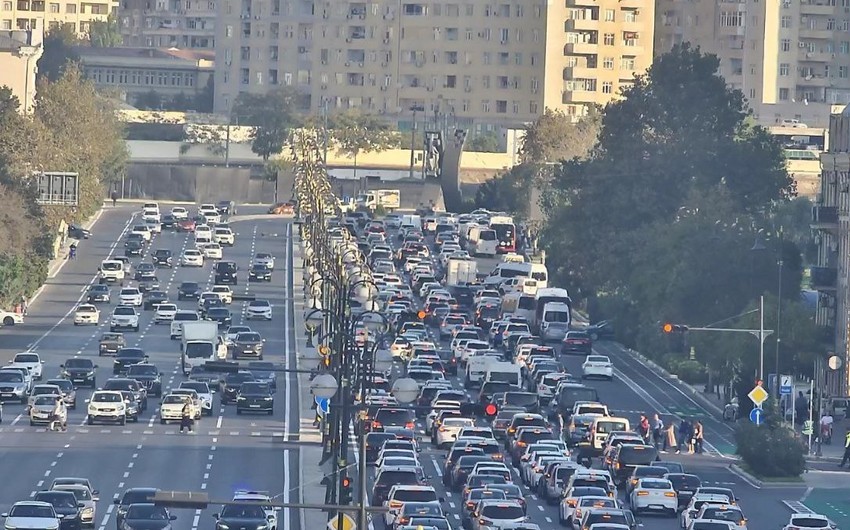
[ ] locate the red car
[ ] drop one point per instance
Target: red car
(186, 225)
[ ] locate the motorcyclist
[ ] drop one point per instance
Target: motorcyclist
(730, 411)
(73, 251)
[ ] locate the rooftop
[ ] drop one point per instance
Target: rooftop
(203, 58)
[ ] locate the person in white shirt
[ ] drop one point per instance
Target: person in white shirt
(826, 422)
(59, 421)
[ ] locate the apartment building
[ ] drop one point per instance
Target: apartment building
(831, 220)
(25, 14)
(184, 24)
(790, 58)
(20, 51)
(467, 64)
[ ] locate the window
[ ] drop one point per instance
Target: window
(608, 63)
(608, 39)
(732, 19)
(785, 45)
(785, 21)
(533, 108)
(609, 15)
(501, 107)
(70, 8)
(504, 35)
(487, 58)
(470, 10)
(842, 72)
(607, 87)
(783, 94)
(627, 63)
(6, 24)
(844, 47)
(515, 106)
(54, 8)
(534, 85)
(783, 69)
(485, 105)
(830, 24)
(7, 6)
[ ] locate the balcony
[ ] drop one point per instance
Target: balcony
(577, 96)
(634, 4)
(816, 34)
(582, 3)
(816, 57)
(580, 72)
(816, 8)
(581, 24)
(825, 218)
(581, 48)
(819, 81)
(823, 278)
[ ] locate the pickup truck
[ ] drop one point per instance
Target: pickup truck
(110, 343)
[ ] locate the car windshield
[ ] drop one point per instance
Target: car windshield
(27, 357)
(397, 477)
(146, 512)
(808, 522)
(173, 398)
(506, 511)
(65, 385)
(124, 311)
(11, 377)
(425, 495)
(82, 494)
(197, 386)
(142, 369)
(255, 388)
(45, 400)
(248, 337)
(637, 454)
(31, 510)
(79, 363)
(243, 511)
(107, 398)
(59, 499)
(723, 514)
(259, 303)
(131, 353)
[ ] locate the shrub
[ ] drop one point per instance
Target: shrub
(770, 450)
(689, 371)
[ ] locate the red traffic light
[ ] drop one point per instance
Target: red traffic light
(668, 328)
(673, 328)
(491, 409)
(421, 315)
(346, 482)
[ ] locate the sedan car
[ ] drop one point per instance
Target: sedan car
(263, 258)
(264, 372)
(192, 258)
(29, 361)
(232, 383)
(32, 514)
(41, 409)
(259, 273)
(259, 309)
(131, 296)
(171, 408)
(220, 315)
(212, 251)
(131, 496)
(576, 342)
(248, 516)
(147, 516)
(110, 343)
(653, 494)
(188, 291)
(164, 313)
(597, 366)
(248, 344)
(127, 357)
(85, 499)
(204, 393)
(99, 293)
(65, 504)
(153, 299)
(254, 396)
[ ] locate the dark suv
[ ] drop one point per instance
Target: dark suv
(162, 258)
(627, 457)
(188, 291)
(225, 273)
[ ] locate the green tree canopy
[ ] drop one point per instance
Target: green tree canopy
(58, 52)
(106, 33)
(273, 116)
(554, 136)
(355, 132)
(484, 143)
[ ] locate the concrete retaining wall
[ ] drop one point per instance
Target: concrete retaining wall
(193, 183)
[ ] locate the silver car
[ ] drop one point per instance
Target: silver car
(13, 385)
(69, 393)
(41, 409)
(86, 498)
(43, 390)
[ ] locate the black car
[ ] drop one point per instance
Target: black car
(248, 344)
(133, 248)
(374, 441)
(264, 372)
(130, 497)
(211, 303)
(254, 396)
(226, 207)
(80, 371)
(464, 295)
(168, 222)
(144, 270)
(147, 516)
(148, 376)
(231, 383)
(242, 517)
(152, 299)
(162, 258)
(125, 384)
(225, 273)
(99, 293)
(686, 485)
(221, 315)
(78, 232)
(126, 357)
(259, 273)
(447, 357)
(188, 291)
(135, 237)
(65, 504)
(110, 343)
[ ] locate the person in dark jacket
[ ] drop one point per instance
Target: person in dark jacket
(186, 418)
(686, 430)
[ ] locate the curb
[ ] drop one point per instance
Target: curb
(750, 479)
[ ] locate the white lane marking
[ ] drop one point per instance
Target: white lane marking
(289, 262)
(218, 422)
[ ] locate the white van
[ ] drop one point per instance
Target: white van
(112, 271)
(482, 242)
(555, 321)
(603, 425)
(519, 305)
(177, 323)
(411, 221)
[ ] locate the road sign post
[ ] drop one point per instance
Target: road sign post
(758, 395)
(786, 386)
(757, 416)
(348, 522)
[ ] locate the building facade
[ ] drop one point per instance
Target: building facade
(19, 54)
(790, 58)
(461, 63)
(78, 14)
(184, 24)
(831, 220)
(135, 72)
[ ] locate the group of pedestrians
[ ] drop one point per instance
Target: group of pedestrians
(688, 435)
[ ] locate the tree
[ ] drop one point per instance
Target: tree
(106, 33)
(508, 192)
(354, 132)
(58, 52)
(555, 136)
(661, 218)
(150, 100)
(272, 116)
(484, 143)
(204, 99)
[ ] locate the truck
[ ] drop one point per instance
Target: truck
(545, 296)
(200, 343)
(503, 371)
(460, 271)
(387, 199)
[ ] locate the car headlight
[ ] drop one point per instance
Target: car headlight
(269, 398)
(88, 511)
(262, 527)
(223, 526)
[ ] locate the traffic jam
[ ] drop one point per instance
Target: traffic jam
(502, 435)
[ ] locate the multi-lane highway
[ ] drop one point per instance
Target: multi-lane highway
(227, 453)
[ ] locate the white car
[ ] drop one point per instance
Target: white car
(260, 497)
(450, 428)
(654, 494)
(8, 318)
(714, 524)
(689, 513)
(224, 236)
(224, 292)
(142, 230)
(233, 331)
(124, 316)
(192, 258)
(212, 251)
(154, 226)
(203, 229)
(206, 295)
(106, 406)
(204, 392)
(131, 296)
(401, 493)
(192, 395)
(171, 408)
(597, 366)
(86, 314)
(259, 309)
(151, 214)
(724, 512)
(180, 213)
(32, 515)
(809, 521)
(30, 361)
(164, 313)
(263, 258)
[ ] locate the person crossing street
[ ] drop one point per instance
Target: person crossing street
(186, 419)
(846, 457)
(59, 418)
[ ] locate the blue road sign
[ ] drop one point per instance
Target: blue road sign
(323, 406)
(757, 416)
(787, 386)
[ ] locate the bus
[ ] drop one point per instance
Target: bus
(505, 233)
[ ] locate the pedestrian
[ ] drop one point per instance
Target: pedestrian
(669, 438)
(186, 418)
(657, 431)
(59, 417)
(644, 429)
(846, 449)
(698, 437)
(801, 407)
(114, 197)
(684, 434)
(826, 422)
(24, 305)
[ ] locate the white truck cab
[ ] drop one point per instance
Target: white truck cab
(111, 271)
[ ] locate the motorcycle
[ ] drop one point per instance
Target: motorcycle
(730, 412)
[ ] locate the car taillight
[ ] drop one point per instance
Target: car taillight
(521, 444)
(571, 502)
(669, 494)
(577, 514)
(410, 425)
(642, 493)
(442, 429)
(375, 424)
(395, 504)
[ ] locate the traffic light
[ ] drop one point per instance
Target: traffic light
(673, 328)
(345, 491)
(421, 315)
(490, 410)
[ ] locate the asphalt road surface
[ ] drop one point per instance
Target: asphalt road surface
(227, 453)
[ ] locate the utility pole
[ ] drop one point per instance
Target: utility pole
(413, 143)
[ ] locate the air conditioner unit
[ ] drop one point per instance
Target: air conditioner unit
(324, 62)
(802, 45)
(503, 41)
(348, 39)
(386, 41)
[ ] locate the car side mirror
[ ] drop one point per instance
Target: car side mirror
(61, 366)
(172, 517)
(94, 366)
(81, 505)
(117, 502)
(88, 401)
(270, 517)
